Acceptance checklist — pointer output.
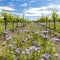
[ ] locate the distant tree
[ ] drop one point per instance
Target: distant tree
(54, 17)
(17, 20)
(12, 20)
(5, 15)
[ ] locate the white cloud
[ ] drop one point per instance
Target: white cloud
(16, 14)
(24, 5)
(7, 8)
(34, 13)
(0, 11)
(54, 6)
(46, 10)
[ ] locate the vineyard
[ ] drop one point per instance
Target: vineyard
(22, 39)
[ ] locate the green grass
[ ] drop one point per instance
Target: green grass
(52, 26)
(5, 51)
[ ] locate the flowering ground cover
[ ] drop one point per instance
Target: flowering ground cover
(32, 42)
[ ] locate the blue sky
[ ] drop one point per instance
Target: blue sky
(32, 9)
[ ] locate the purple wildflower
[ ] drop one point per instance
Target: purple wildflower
(18, 50)
(27, 51)
(44, 37)
(36, 49)
(17, 58)
(8, 38)
(38, 45)
(34, 42)
(27, 31)
(45, 31)
(23, 40)
(55, 40)
(32, 47)
(6, 31)
(46, 56)
(36, 33)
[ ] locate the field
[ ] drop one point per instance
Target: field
(29, 30)
(52, 26)
(33, 41)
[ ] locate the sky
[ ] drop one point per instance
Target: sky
(32, 9)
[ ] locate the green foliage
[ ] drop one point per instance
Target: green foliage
(10, 49)
(54, 15)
